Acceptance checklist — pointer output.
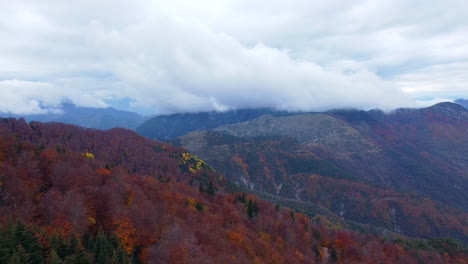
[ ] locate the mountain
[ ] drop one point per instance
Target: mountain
(100, 118)
(405, 171)
(462, 102)
(75, 195)
(167, 127)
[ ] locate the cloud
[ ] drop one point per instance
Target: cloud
(187, 56)
(450, 80)
(26, 97)
(188, 67)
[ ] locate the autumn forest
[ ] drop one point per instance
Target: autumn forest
(76, 195)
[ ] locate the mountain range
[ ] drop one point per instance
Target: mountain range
(160, 127)
(165, 127)
(100, 118)
(402, 172)
(406, 171)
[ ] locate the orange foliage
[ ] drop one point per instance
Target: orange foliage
(103, 172)
(235, 237)
(49, 154)
(146, 205)
(126, 233)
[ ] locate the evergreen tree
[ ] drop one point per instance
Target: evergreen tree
(240, 198)
(252, 208)
(119, 255)
(88, 242)
(211, 190)
(201, 188)
(102, 248)
(255, 207)
(4, 246)
(20, 256)
(58, 245)
(199, 206)
(80, 257)
(73, 245)
(334, 255)
(136, 255)
(29, 243)
(54, 258)
(277, 207)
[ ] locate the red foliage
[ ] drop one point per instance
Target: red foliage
(147, 200)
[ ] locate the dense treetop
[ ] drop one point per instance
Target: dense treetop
(74, 195)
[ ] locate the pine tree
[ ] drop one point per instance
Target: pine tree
(333, 255)
(88, 242)
(211, 190)
(277, 207)
(252, 208)
(201, 188)
(29, 243)
(20, 256)
(73, 245)
(5, 249)
(119, 255)
(293, 216)
(136, 255)
(255, 207)
(80, 257)
(58, 245)
(54, 258)
(240, 198)
(102, 248)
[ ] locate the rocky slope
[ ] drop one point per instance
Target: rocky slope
(406, 171)
(166, 127)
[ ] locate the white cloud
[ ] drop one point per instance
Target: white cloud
(449, 80)
(183, 56)
(26, 97)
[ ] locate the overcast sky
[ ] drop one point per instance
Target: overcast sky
(183, 56)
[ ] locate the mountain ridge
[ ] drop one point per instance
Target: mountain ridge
(414, 151)
(99, 118)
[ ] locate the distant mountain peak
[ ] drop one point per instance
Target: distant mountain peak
(447, 109)
(446, 105)
(100, 118)
(462, 102)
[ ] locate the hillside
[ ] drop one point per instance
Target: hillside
(75, 195)
(405, 171)
(166, 127)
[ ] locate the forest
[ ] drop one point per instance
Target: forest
(76, 195)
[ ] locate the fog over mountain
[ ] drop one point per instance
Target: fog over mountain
(90, 117)
(155, 57)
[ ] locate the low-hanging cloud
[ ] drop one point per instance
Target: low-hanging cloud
(190, 68)
(168, 58)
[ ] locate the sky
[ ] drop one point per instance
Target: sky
(158, 57)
